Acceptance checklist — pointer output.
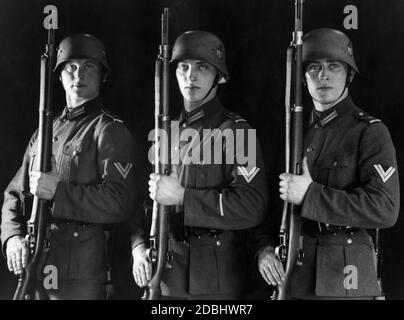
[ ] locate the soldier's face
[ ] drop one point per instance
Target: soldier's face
(326, 80)
(81, 78)
(195, 79)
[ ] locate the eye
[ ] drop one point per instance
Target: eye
(313, 68)
(182, 67)
(90, 66)
(203, 67)
(334, 66)
(69, 67)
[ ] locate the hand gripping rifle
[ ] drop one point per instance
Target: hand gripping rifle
(289, 235)
(30, 284)
(158, 240)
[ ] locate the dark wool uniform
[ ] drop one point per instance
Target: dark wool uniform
(207, 240)
(94, 155)
(352, 161)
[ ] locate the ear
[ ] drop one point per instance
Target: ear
(219, 78)
(104, 78)
(222, 80)
(351, 75)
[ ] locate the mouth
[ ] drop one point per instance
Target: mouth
(191, 87)
(324, 88)
(78, 85)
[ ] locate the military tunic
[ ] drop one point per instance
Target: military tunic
(207, 241)
(352, 161)
(94, 155)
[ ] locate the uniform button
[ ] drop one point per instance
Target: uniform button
(361, 114)
(184, 125)
(309, 149)
(176, 148)
(316, 126)
(75, 234)
(335, 163)
(349, 241)
(218, 243)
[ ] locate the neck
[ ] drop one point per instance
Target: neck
(74, 101)
(325, 106)
(190, 106)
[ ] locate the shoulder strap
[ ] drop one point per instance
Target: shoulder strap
(363, 116)
(110, 115)
(234, 117)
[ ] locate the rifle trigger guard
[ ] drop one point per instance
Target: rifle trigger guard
(281, 252)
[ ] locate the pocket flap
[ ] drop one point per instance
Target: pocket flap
(74, 147)
(343, 160)
(346, 271)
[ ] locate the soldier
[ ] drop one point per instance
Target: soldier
(215, 203)
(349, 185)
(91, 182)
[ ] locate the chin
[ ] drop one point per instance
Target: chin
(191, 98)
(326, 99)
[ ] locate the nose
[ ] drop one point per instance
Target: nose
(79, 72)
(323, 74)
(192, 74)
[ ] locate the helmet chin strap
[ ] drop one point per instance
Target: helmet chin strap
(214, 83)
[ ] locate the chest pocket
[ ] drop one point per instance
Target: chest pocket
(202, 176)
(74, 148)
(72, 154)
(210, 176)
(337, 171)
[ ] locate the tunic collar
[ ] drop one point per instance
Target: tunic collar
(325, 117)
(82, 110)
(202, 112)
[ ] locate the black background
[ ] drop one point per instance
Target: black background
(256, 34)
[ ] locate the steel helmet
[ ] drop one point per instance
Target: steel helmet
(201, 45)
(328, 43)
(81, 46)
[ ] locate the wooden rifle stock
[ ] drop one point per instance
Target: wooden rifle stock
(289, 234)
(161, 214)
(30, 283)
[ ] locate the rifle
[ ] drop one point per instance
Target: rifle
(376, 242)
(158, 240)
(30, 284)
(289, 248)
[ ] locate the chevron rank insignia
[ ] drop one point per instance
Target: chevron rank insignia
(384, 174)
(248, 174)
(123, 170)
